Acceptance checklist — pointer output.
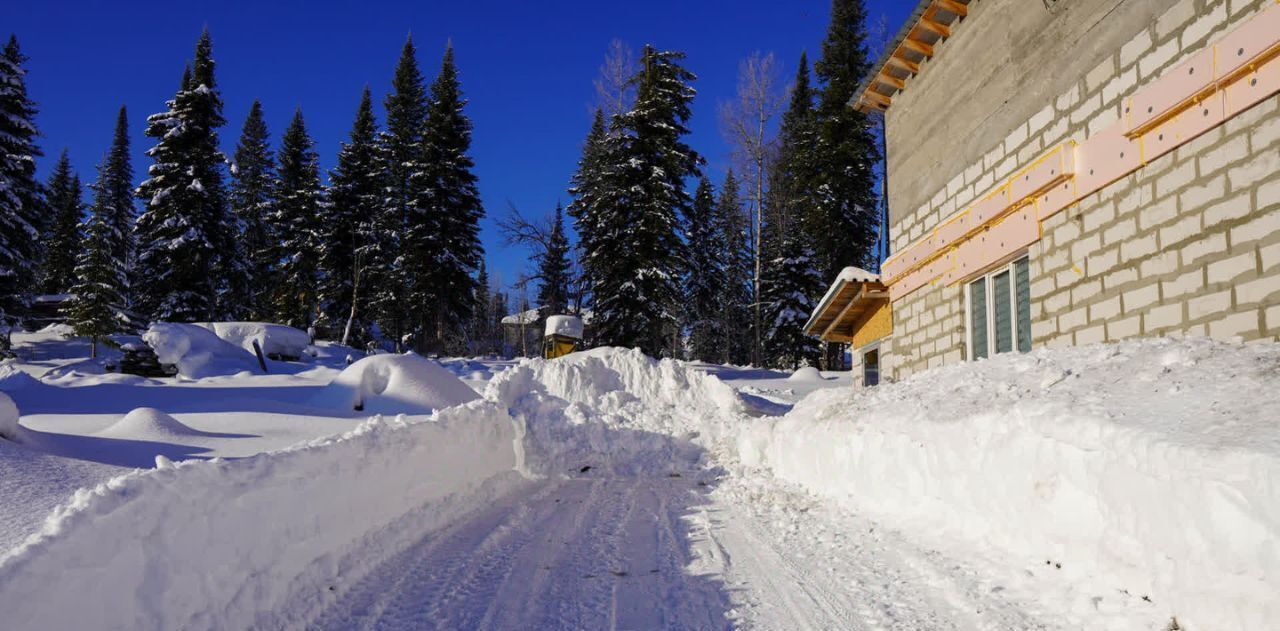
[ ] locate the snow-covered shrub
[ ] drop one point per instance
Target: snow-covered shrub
(394, 384)
(276, 340)
(197, 351)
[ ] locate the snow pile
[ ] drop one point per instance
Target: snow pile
(257, 542)
(147, 424)
(276, 340)
(616, 411)
(12, 379)
(806, 374)
(9, 427)
(197, 351)
(394, 384)
(1147, 468)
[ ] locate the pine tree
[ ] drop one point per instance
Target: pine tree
(406, 108)
(100, 275)
(733, 242)
(295, 220)
(636, 257)
(22, 203)
(252, 187)
(843, 221)
(62, 236)
(498, 311)
(186, 234)
(704, 276)
(442, 239)
(114, 194)
(792, 278)
(554, 272)
(587, 188)
(349, 232)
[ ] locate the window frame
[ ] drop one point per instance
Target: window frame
(989, 318)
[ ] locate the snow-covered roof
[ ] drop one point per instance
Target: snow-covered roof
(524, 317)
(846, 276)
(566, 325)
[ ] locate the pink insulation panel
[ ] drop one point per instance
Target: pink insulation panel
(1105, 157)
(1048, 171)
(990, 207)
(1197, 119)
(1243, 45)
(1183, 82)
(892, 267)
(1252, 88)
(1049, 202)
(951, 231)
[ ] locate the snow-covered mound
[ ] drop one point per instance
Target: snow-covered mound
(12, 379)
(1151, 467)
(806, 374)
(275, 339)
(616, 411)
(147, 424)
(395, 384)
(9, 427)
(197, 351)
(258, 542)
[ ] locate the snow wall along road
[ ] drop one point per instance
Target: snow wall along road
(263, 541)
(1148, 468)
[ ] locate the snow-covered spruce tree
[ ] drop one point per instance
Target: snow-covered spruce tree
(554, 267)
(100, 275)
(406, 108)
(186, 234)
(704, 276)
(252, 187)
(61, 237)
(792, 279)
(22, 203)
(636, 256)
(349, 230)
(442, 240)
(498, 311)
(844, 221)
(733, 298)
(587, 188)
(295, 220)
(115, 185)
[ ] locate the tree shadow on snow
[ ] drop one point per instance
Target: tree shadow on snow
(120, 452)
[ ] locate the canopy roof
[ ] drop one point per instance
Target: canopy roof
(928, 25)
(854, 295)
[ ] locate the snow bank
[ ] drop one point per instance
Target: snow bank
(1151, 467)
(197, 351)
(616, 411)
(275, 339)
(260, 542)
(9, 427)
(395, 384)
(148, 424)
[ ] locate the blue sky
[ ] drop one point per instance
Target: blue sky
(527, 69)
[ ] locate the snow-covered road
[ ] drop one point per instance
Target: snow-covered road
(665, 553)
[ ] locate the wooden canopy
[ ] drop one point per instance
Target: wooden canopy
(856, 310)
(928, 25)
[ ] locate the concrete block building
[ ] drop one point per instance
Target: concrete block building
(1064, 172)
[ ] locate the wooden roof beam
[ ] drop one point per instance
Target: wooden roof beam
(937, 27)
(892, 81)
(835, 322)
(877, 98)
(918, 46)
(904, 64)
(952, 6)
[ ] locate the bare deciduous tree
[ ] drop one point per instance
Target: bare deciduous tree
(746, 125)
(614, 89)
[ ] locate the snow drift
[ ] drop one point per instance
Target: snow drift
(198, 352)
(395, 384)
(276, 340)
(1151, 467)
(9, 427)
(616, 411)
(253, 543)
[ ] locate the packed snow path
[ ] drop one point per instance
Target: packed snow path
(663, 553)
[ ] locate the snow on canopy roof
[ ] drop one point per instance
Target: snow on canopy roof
(846, 275)
(566, 325)
(524, 317)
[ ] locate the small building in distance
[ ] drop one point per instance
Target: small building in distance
(523, 332)
(1069, 172)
